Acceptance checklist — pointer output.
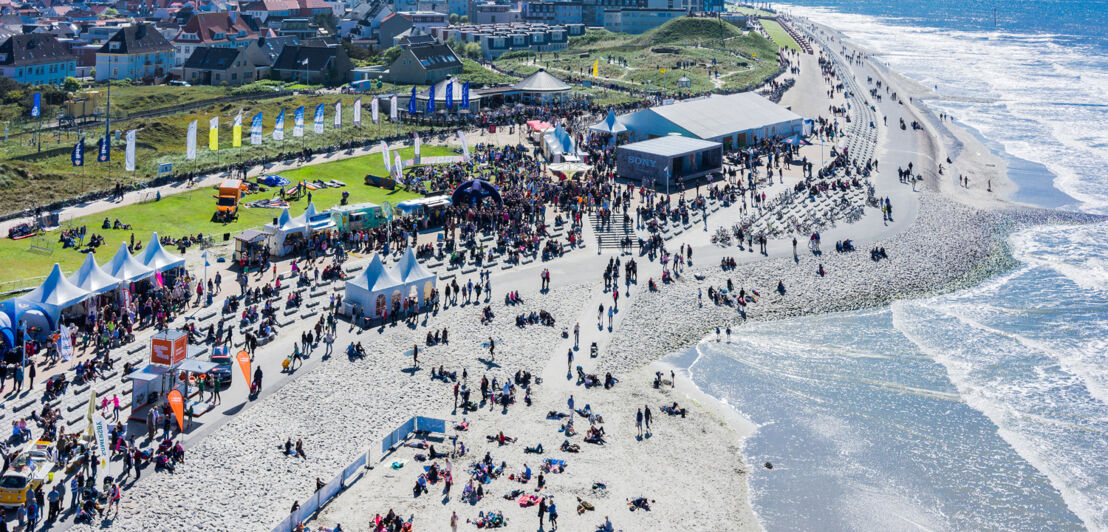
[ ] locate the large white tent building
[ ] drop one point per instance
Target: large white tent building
(733, 120)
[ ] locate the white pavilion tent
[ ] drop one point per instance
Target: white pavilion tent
(374, 289)
(282, 230)
(315, 220)
(56, 294)
(157, 258)
(408, 271)
(126, 268)
(93, 278)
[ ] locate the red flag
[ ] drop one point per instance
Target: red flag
(177, 403)
(244, 364)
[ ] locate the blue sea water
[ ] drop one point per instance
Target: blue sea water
(985, 409)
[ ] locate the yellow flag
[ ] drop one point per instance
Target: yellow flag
(213, 133)
(663, 70)
(236, 131)
(596, 68)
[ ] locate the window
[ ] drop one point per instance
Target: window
(234, 76)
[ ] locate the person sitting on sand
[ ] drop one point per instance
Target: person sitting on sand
(570, 447)
(583, 506)
(567, 428)
(595, 435)
(537, 449)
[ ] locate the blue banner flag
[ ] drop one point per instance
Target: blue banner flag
(279, 126)
(105, 150)
(449, 95)
(256, 129)
(431, 99)
(465, 96)
(78, 155)
(412, 103)
(36, 107)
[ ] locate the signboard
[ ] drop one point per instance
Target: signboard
(638, 165)
(168, 348)
(165, 169)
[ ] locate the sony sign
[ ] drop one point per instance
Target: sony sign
(641, 161)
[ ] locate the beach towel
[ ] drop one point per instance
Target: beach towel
(553, 465)
(526, 501)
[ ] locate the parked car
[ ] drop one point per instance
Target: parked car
(30, 469)
(222, 373)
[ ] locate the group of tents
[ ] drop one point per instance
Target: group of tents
(42, 307)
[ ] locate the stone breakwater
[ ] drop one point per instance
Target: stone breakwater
(950, 246)
(238, 477)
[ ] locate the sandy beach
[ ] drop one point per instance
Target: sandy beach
(691, 468)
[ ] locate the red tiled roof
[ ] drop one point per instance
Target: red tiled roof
(206, 25)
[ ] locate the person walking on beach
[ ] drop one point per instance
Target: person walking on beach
(646, 416)
(542, 511)
(569, 362)
(600, 315)
(638, 422)
(576, 335)
(552, 511)
(492, 350)
(454, 522)
(415, 355)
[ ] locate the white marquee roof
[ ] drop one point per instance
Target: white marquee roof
(408, 269)
(157, 258)
(125, 268)
(56, 291)
(374, 278)
(93, 278)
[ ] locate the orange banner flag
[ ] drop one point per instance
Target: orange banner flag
(177, 404)
(244, 364)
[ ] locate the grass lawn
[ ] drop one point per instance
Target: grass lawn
(355, 169)
(778, 34)
(27, 176)
(190, 213)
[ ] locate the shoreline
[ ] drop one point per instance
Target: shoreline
(1006, 217)
(952, 242)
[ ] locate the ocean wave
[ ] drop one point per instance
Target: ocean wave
(1013, 88)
